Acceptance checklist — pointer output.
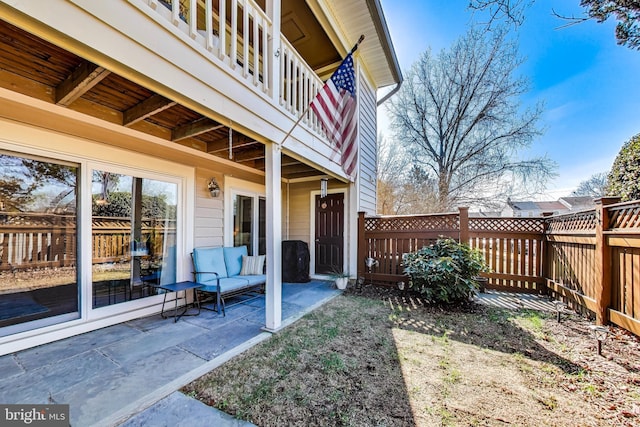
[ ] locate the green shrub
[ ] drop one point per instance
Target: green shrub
(624, 178)
(444, 272)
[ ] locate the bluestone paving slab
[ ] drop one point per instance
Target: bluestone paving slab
(293, 288)
(217, 341)
(288, 309)
(38, 385)
(212, 320)
(178, 410)
(145, 344)
(311, 296)
(9, 367)
(98, 397)
(145, 324)
(38, 357)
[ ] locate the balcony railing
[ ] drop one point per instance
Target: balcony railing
(299, 84)
(238, 33)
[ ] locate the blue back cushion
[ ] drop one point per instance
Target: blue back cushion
(209, 260)
(233, 259)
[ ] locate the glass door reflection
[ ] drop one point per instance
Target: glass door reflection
(134, 237)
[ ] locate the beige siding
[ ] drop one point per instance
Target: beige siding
(368, 149)
(208, 212)
(299, 210)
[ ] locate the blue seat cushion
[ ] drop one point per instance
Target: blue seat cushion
(207, 261)
(233, 259)
(257, 279)
(228, 284)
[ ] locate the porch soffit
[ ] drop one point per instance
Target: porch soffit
(39, 69)
(356, 17)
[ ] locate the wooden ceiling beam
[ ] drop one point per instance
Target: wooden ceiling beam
(304, 174)
(223, 144)
(194, 128)
(249, 155)
(147, 108)
(286, 161)
(79, 82)
(298, 168)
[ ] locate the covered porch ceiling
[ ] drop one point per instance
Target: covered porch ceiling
(34, 67)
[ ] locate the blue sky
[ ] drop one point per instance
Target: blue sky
(590, 86)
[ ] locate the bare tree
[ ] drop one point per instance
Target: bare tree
(626, 12)
(511, 11)
(459, 113)
(390, 177)
(421, 192)
(402, 187)
(595, 186)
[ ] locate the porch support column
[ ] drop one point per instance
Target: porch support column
(273, 157)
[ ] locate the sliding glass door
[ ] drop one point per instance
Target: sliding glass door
(38, 241)
(133, 236)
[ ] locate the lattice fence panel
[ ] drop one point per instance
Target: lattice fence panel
(510, 225)
(579, 221)
(35, 220)
(413, 223)
(624, 217)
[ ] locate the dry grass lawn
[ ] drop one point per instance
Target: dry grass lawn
(390, 360)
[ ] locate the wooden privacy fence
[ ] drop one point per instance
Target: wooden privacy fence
(386, 238)
(30, 241)
(594, 261)
(513, 249)
(590, 258)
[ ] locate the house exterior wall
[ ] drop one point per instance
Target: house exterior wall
(368, 147)
(208, 212)
(299, 210)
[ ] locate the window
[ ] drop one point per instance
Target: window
(133, 236)
(38, 241)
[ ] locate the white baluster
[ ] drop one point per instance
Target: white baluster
(245, 39)
(234, 33)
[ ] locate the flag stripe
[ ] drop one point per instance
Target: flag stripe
(335, 106)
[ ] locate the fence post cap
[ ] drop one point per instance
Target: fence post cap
(607, 200)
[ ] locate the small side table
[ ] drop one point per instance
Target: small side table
(177, 287)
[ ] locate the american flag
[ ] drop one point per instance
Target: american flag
(335, 105)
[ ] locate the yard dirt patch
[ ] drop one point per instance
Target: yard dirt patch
(381, 357)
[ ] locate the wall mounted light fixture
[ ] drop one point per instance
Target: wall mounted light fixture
(213, 187)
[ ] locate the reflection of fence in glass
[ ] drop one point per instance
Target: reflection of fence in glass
(29, 240)
(35, 240)
(112, 241)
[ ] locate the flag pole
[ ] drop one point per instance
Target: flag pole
(306, 110)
